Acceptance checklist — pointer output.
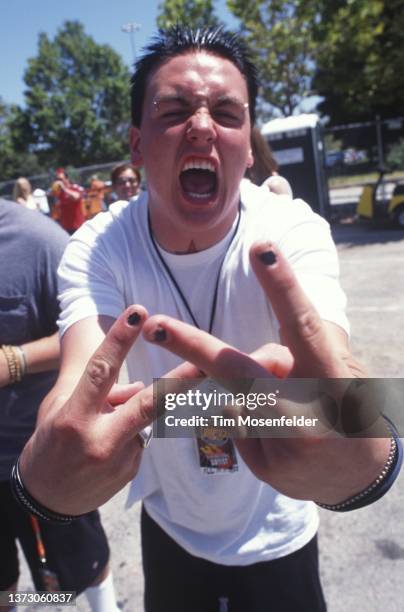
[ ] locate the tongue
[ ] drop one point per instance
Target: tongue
(198, 181)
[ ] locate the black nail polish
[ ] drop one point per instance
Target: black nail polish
(160, 335)
(268, 258)
(134, 319)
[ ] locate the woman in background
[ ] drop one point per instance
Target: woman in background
(264, 171)
(22, 194)
(125, 180)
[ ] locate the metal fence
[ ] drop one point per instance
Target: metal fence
(354, 154)
(361, 148)
(82, 176)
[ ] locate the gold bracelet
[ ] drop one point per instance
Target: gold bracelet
(13, 363)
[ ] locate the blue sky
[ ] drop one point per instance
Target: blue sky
(22, 20)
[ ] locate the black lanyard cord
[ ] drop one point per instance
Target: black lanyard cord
(175, 283)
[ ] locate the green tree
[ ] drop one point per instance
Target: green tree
(281, 36)
(16, 158)
(77, 100)
(360, 59)
(7, 155)
(196, 13)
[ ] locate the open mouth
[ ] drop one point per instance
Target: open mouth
(199, 180)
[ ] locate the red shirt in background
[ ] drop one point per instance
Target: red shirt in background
(71, 210)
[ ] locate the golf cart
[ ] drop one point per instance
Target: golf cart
(370, 208)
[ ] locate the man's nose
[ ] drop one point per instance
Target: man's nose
(201, 126)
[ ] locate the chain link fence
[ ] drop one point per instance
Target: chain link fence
(82, 176)
(354, 156)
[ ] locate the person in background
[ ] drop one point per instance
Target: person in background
(41, 200)
(94, 201)
(264, 170)
(125, 180)
(74, 557)
(69, 202)
(22, 193)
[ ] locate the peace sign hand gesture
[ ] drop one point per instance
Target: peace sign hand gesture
(327, 468)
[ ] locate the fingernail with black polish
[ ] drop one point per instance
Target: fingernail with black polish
(160, 335)
(268, 258)
(134, 319)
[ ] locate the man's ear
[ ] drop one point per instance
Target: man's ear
(135, 147)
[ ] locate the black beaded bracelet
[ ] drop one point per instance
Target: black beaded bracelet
(32, 505)
(379, 486)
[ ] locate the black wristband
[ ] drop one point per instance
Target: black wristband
(30, 504)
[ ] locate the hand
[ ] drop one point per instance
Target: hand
(279, 185)
(327, 468)
(86, 447)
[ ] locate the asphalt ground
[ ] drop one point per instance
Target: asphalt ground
(361, 553)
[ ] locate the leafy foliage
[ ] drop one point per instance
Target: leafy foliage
(347, 51)
(16, 159)
(359, 59)
(196, 13)
(77, 100)
(280, 34)
(77, 91)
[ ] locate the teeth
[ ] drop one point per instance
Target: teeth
(200, 196)
(199, 164)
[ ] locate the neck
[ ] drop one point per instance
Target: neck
(191, 249)
(174, 239)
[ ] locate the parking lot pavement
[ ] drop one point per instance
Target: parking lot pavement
(372, 275)
(361, 553)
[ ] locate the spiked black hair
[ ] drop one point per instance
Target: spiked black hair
(178, 40)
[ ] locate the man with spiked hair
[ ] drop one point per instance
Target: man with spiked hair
(237, 282)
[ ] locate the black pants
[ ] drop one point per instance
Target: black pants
(76, 553)
(176, 581)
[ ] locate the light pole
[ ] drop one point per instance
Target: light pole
(130, 28)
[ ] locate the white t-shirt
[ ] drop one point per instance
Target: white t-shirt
(110, 263)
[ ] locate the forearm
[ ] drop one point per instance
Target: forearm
(358, 464)
(42, 355)
(72, 193)
(29, 358)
